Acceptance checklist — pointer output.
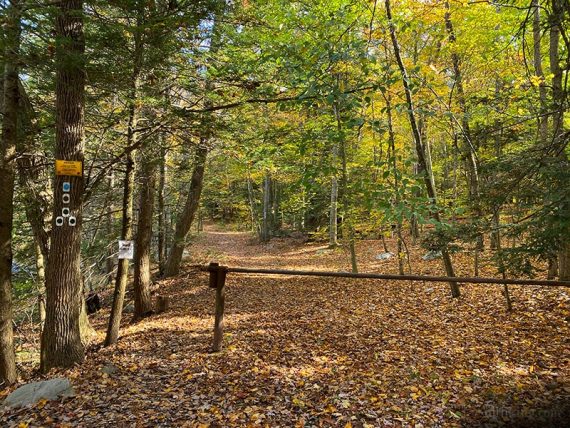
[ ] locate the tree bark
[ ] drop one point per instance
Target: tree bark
(143, 302)
(8, 142)
(333, 210)
(558, 109)
(129, 180)
(419, 145)
(40, 284)
(161, 210)
(539, 72)
(110, 226)
(123, 265)
(61, 337)
(186, 218)
(469, 150)
(266, 220)
(392, 146)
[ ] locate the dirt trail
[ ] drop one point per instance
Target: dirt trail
(323, 352)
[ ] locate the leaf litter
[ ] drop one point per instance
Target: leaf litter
(305, 351)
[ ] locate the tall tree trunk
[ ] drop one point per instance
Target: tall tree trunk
(392, 146)
(161, 210)
(419, 145)
(110, 226)
(347, 226)
(123, 264)
(61, 337)
(129, 180)
(496, 220)
(186, 218)
(255, 227)
(37, 206)
(469, 150)
(333, 210)
(266, 220)
(539, 72)
(11, 96)
(143, 302)
(558, 109)
(542, 116)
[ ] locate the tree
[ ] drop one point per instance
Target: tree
(61, 344)
(419, 144)
(186, 217)
(8, 143)
(142, 261)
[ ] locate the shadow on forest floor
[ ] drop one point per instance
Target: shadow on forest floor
(327, 352)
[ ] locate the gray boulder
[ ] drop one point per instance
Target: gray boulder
(31, 393)
(384, 256)
(432, 255)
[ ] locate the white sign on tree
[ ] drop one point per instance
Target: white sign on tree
(126, 249)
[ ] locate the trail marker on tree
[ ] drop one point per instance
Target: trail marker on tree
(126, 249)
(67, 167)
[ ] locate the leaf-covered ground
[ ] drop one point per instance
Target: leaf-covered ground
(325, 352)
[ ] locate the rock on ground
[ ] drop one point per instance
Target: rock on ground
(31, 393)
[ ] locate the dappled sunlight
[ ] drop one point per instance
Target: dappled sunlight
(383, 350)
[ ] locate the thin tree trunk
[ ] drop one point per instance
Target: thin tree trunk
(333, 215)
(161, 211)
(8, 142)
(61, 337)
(40, 283)
(419, 145)
(143, 302)
(496, 221)
(186, 218)
(468, 145)
(129, 182)
(347, 226)
(539, 72)
(110, 260)
(392, 145)
(265, 225)
(252, 208)
(126, 235)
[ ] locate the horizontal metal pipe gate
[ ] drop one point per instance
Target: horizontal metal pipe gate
(218, 281)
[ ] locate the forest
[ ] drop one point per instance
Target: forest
(142, 140)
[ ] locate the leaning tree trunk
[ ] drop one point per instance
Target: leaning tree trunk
(419, 145)
(61, 337)
(141, 283)
(11, 95)
(123, 265)
(128, 183)
(186, 218)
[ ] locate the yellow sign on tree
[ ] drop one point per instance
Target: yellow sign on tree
(66, 167)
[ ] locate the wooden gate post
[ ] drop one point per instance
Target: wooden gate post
(213, 269)
(220, 305)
